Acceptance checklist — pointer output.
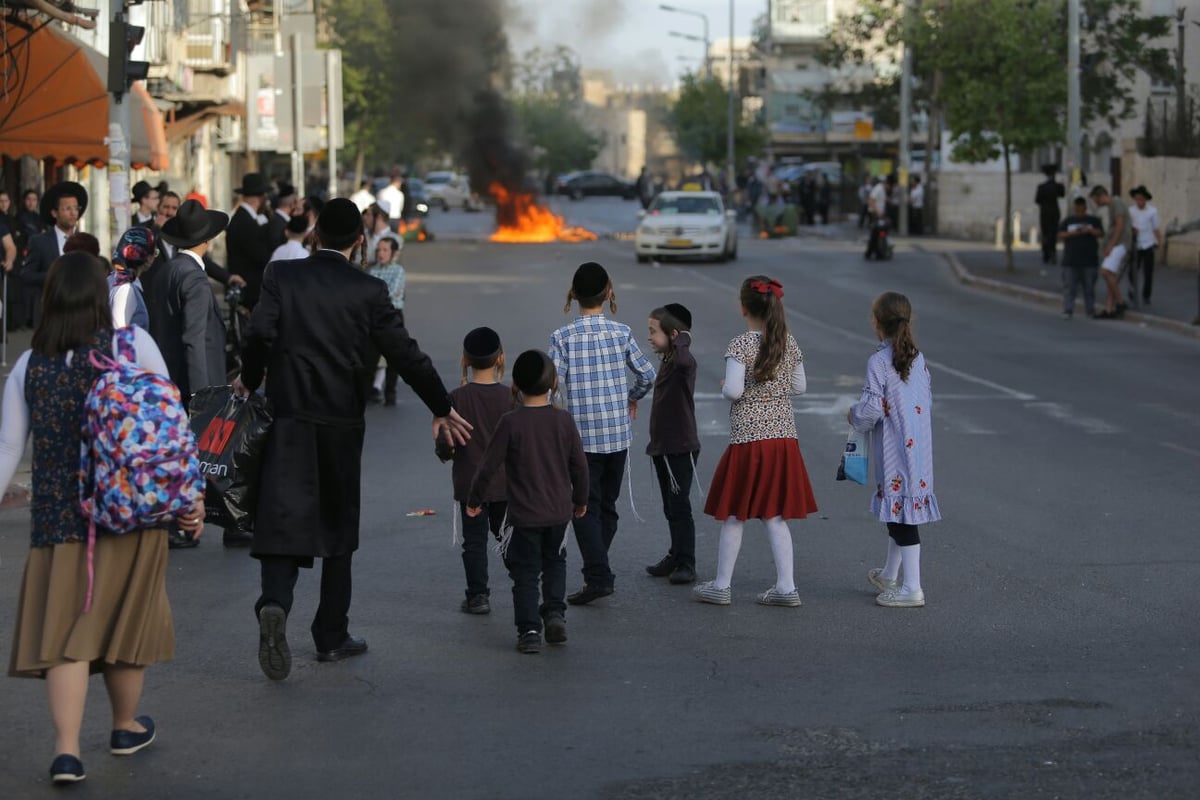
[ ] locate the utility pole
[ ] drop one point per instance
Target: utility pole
(297, 116)
(906, 75)
(333, 116)
(1182, 118)
(1074, 122)
(730, 121)
(122, 39)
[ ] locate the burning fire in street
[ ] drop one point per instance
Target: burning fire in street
(412, 231)
(521, 218)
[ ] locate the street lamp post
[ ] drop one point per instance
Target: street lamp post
(692, 38)
(704, 19)
(730, 169)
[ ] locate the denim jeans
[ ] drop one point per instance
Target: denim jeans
(677, 505)
(1074, 278)
(594, 531)
(475, 543)
(534, 553)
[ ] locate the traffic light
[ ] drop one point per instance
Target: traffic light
(122, 39)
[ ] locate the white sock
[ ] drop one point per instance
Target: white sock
(911, 556)
(781, 548)
(727, 551)
(379, 373)
(891, 567)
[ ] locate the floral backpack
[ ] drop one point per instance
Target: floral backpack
(137, 466)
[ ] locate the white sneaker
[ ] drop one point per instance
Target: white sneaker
(707, 592)
(899, 598)
(771, 597)
(881, 583)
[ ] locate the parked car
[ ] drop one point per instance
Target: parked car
(417, 198)
(682, 224)
(450, 190)
(594, 183)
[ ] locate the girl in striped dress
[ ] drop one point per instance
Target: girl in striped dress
(896, 409)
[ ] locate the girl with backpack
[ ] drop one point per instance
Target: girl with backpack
(118, 621)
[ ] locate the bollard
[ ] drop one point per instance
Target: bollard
(1035, 237)
(999, 232)
(1016, 227)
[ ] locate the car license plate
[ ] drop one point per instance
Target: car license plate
(679, 243)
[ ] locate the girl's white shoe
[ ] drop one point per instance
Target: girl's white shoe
(881, 583)
(899, 598)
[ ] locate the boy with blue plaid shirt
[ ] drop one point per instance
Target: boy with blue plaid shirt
(591, 356)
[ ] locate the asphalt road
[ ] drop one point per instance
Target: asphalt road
(1057, 656)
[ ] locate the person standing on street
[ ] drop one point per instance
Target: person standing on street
(248, 239)
(391, 199)
(1049, 192)
(916, 207)
(313, 335)
(61, 207)
(363, 197)
(645, 188)
(1116, 249)
(1148, 236)
(282, 210)
(1080, 234)
(147, 198)
(296, 231)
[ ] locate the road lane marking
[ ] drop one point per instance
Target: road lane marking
(1189, 451)
(1061, 412)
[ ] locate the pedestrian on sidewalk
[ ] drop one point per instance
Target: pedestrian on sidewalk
(546, 477)
(1049, 192)
(311, 335)
(761, 475)
(916, 207)
(896, 408)
(296, 231)
(1117, 246)
(1080, 234)
(591, 356)
(483, 399)
(128, 626)
(1147, 237)
(674, 443)
(135, 251)
(387, 268)
(248, 241)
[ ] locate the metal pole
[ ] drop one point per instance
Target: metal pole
(707, 45)
(297, 116)
(119, 125)
(4, 326)
(730, 156)
(1074, 122)
(333, 100)
(1181, 115)
(906, 114)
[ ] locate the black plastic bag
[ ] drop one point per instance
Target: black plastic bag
(230, 435)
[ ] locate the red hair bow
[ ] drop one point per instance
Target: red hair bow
(771, 286)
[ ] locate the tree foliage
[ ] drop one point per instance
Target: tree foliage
(699, 122)
(547, 100)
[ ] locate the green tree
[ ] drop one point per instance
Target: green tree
(699, 122)
(547, 100)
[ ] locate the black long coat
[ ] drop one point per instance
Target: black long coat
(249, 249)
(315, 331)
(186, 324)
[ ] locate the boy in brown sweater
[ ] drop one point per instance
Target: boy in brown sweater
(541, 452)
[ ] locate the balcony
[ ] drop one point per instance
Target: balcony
(208, 37)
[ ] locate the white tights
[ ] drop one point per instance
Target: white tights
(781, 548)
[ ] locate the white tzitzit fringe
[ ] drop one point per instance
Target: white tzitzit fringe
(455, 535)
(696, 477)
(671, 481)
(505, 540)
(629, 477)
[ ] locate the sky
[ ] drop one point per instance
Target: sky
(629, 37)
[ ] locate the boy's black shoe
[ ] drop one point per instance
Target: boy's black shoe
(588, 593)
(235, 538)
(529, 642)
(683, 574)
(347, 649)
(663, 568)
(556, 629)
(178, 540)
(476, 604)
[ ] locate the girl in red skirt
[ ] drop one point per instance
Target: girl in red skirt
(762, 474)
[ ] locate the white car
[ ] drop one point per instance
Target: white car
(449, 190)
(684, 224)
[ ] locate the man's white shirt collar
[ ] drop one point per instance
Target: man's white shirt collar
(199, 261)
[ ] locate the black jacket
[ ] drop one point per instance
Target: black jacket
(673, 409)
(314, 333)
(186, 324)
(40, 253)
(249, 246)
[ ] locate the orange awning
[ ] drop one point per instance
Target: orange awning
(55, 104)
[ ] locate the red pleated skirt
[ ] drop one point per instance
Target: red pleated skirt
(761, 480)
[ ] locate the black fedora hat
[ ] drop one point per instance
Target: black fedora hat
(1142, 190)
(59, 190)
(254, 184)
(193, 224)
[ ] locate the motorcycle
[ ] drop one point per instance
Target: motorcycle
(879, 243)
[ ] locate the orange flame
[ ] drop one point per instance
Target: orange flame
(521, 218)
(406, 226)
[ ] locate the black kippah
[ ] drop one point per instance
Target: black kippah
(590, 280)
(529, 372)
(298, 224)
(481, 343)
(340, 218)
(680, 313)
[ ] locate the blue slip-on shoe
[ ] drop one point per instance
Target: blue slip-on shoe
(126, 743)
(66, 769)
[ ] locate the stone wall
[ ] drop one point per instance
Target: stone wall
(969, 203)
(1175, 184)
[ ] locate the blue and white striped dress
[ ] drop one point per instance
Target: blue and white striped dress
(898, 414)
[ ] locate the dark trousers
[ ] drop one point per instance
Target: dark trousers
(1049, 234)
(331, 625)
(904, 535)
(475, 543)
(916, 221)
(1075, 279)
(594, 531)
(1143, 262)
(677, 505)
(535, 553)
(390, 377)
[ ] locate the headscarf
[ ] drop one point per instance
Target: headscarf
(135, 249)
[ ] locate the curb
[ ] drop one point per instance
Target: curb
(1041, 297)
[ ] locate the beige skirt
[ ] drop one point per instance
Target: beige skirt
(130, 619)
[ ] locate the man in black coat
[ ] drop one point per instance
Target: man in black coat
(61, 207)
(248, 238)
(282, 210)
(315, 331)
(1049, 192)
